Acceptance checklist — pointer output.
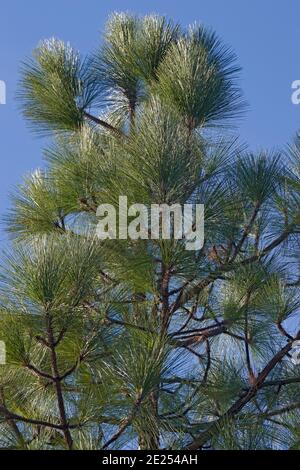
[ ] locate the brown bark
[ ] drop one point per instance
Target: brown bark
(57, 382)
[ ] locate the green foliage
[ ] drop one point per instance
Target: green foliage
(114, 344)
(56, 88)
(197, 78)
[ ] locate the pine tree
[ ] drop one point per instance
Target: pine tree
(142, 344)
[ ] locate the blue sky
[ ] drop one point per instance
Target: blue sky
(264, 34)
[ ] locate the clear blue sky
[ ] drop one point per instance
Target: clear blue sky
(265, 35)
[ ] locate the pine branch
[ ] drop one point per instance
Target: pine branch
(57, 381)
(247, 396)
(246, 232)
(125, 425)
(184, 295)
(104, 124)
